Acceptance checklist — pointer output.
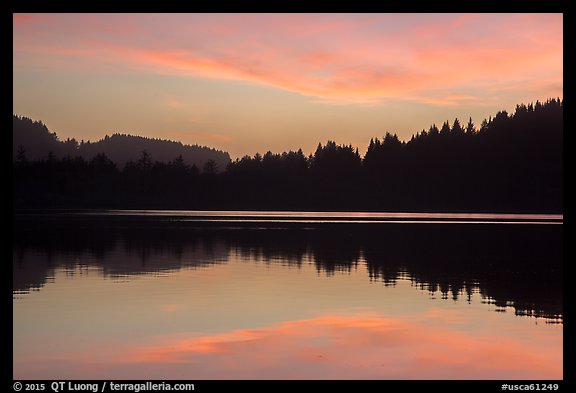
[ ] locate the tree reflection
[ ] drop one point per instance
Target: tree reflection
(510, 265)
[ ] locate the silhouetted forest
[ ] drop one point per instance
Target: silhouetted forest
(511, 162)
(33, 140)
(517, 265)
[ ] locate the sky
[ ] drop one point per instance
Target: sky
(247, 83)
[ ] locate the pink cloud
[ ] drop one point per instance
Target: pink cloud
(318, 58)
(16, 18)
(24, 18)
(331, 58)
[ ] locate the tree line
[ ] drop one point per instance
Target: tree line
(38, 142)
(510, 162)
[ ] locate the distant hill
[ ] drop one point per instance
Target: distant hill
(37, 141)
(511, 163)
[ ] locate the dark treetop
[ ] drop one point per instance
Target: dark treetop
(509, 163)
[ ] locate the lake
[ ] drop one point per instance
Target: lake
(286, 295)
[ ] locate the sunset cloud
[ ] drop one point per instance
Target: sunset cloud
(23, 18)
(257, 81)
(360, 59)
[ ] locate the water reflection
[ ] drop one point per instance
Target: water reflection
(338, 346)
(108, 297)
(519, 266)
(351, 217)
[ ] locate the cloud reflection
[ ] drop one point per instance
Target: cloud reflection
(346, 346)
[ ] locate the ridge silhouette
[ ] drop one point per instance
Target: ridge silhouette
(510, 163)
(35, 141)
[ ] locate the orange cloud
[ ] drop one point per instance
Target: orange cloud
(318, 58)
(331, 58)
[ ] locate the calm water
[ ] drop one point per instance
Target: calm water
(284, 295)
